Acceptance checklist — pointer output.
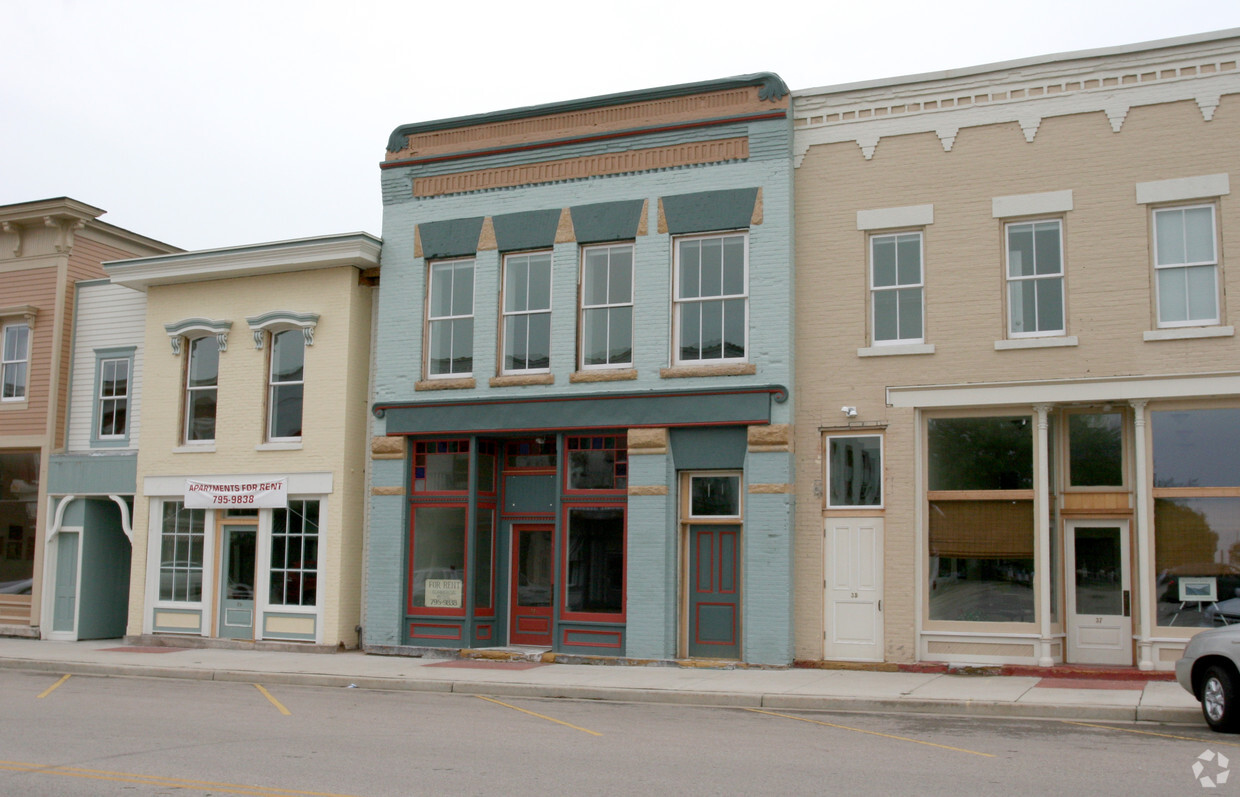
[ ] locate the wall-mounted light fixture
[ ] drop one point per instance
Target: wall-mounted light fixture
(851, 412)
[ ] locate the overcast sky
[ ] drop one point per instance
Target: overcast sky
(208, 124)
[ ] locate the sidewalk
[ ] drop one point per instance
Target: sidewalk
(792, 689)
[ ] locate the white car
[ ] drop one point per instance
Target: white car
(1210, 670)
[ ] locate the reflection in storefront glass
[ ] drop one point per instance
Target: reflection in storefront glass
(19, 491)
(1197, 559)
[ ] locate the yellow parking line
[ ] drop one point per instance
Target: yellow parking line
(52, 688)
(1213, 739)
(274, 702)
(540, 716)
(156, 780)
(872, 733)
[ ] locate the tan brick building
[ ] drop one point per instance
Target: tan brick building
(1018, 381)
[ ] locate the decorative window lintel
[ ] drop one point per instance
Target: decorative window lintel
(279, 320)
(186, 327)
(26, 311)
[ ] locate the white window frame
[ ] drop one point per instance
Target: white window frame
(715, 474)
(606, 307)
(827, 471)
(1010, 281)
(22, 358)
(189, 396)
(272, 384)
(507, 314)
(450, 319)
(679, 302)
(875, 290)
(1162, 268)
(124, 399)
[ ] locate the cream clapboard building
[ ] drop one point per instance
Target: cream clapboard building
(1018, 392)
(248, 519)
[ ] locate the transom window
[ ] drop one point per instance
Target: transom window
(715, 495)
(1035, 278)
(201, 388)
(607, 306)
(598, 462)
(441, 466)
(896, 287)
(711, 308)
(450, 319)
(527, 313)
(855, 471)
(1186, 266)
(113, 398)
(286, 386)
(15, 365)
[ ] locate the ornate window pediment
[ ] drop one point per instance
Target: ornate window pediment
(189, 326)
(280, 320)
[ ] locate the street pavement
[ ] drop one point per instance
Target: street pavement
(1122, 698)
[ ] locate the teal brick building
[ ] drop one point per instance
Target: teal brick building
(583, 379)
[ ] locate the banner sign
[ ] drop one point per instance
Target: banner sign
(269, 494)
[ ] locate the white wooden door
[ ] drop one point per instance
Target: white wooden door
(1099, 592)
(853, 589)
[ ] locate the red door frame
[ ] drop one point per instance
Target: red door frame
(531, 625)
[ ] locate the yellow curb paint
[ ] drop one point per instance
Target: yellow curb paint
(129, 777)
(540, 716)
(1212, 740)
(274, 702)
(871, 733)
(52, 688)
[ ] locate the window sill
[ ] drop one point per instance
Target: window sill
(723, 369)
(603, 375)
(517, 380)
(467, 383)
(207, 448)
(1056, 341)
(284, 445)
(1188, 333)
(14, 405)
(896, 349)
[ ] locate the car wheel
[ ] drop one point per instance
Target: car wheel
(1219, 702)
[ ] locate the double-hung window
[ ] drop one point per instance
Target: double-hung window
(896, 288)
(527, 313)
(450, 319)
(711, 299)
(113, 398)
(286, 385)
(15, 365)
(1186, 266)
(607, 306)
(201, 387)
(1035, 277)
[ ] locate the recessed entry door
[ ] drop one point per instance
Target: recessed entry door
(1099, 592)
(854, 589)
(714, 591)
(533, 588)
(237, 582)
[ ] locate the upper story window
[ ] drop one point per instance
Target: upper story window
(896, 288)
(15, 365)
(201, 388)
(450, 319)
(527, 313)
(113, 398)
(607, 306)
(1035, 278)
(711, 299)
(286, 385)
(1186, 266)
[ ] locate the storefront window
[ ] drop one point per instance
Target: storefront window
(19, 505)
(180, 564)
(1095, 449)
(484, 557)
(598, 462)
(981, 566)
(1196, 448)
(438, 558)
(441, 466)
(596, 560)
(295, 554)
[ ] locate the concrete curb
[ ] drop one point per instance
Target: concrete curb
(724, 699)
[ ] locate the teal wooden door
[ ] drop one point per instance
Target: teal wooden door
(237, 582)
(533, 587)
(64, 614)
(714, 592)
